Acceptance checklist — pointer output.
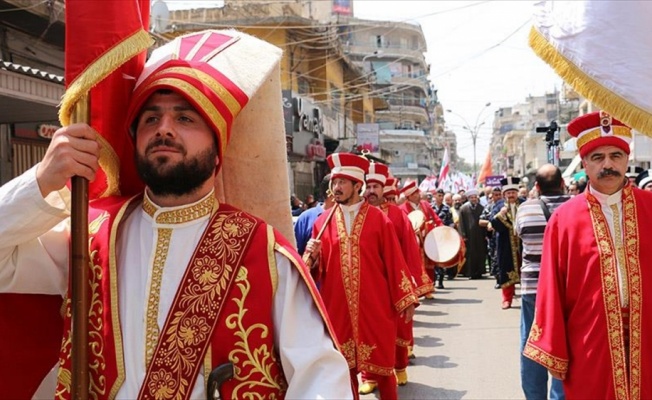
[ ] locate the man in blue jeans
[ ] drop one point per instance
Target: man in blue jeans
(531, 221)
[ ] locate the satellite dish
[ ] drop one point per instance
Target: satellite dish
(160, 17)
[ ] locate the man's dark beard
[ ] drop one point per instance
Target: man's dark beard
(457, 206)
(185, 177)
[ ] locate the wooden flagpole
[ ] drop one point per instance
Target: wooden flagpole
(79, 270)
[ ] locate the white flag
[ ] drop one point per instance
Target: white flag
(603, 49)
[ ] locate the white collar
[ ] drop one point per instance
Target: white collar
(352, 208)
(607, 199)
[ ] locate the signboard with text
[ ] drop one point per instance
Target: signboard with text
(493, 180)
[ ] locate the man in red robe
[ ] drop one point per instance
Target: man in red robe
(593, 322)
(376, 179)
(413, 203)
(362, 275)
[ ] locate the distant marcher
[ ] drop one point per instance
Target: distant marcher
(632, 172)
(508, 244)
(593, 322)
(644, 180)
(531, 220)
(474, 237)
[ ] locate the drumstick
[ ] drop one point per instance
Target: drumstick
(306, 256)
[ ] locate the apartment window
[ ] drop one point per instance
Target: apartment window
(408, 158)
(380, 41)
(303, 86)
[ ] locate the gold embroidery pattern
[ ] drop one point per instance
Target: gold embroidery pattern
(535, 332)
(186, 214)
(350, 262)
(549, 361)
(151, 323)
(406, 301)
(348, 351)
(406, 284)
(253, 365)
(64, 375)
(97, 380)
(611, 296)
(620, 253)
(198, 302)
(364, 351)
(635, 290)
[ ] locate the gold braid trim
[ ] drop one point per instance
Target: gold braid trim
(549, 361)
(586, 86)
(104, 66)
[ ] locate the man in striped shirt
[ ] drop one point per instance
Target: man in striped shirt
(531, 222)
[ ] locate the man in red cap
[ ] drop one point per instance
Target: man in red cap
(362, 275)
(390, 190)
(181, 283)
(376, 180)
(413, 203)
(592, 326)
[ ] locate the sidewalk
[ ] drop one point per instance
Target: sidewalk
(467, 347)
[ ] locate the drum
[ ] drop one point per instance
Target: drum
(417, 218)
(444, 246)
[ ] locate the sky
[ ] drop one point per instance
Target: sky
(478, 54)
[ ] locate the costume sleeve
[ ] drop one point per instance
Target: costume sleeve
(34, 236)
(547, 341)
(500, 224)
(312, 365)
(399, 276)
(412, 255)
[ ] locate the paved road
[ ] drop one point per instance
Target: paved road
(467, 347)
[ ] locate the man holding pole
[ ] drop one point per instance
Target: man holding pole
(376, 179)
(180, 282)
(362, 275)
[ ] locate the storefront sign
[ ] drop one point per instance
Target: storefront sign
(46, 131)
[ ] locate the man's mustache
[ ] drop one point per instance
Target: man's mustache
(338, 193)
(164, 141)
(608, 172)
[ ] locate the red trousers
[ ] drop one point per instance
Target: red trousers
(387, 389)
(508, 293)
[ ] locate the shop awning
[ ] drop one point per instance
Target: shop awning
(28, 94)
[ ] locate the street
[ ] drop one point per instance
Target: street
(466, 347)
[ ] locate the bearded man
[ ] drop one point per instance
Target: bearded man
(181, 283)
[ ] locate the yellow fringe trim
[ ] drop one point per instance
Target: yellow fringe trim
(94, 73)
(630, 114)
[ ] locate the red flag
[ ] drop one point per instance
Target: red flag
(105, 52)
(106, 43)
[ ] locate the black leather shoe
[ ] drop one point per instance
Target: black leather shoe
(440, 286)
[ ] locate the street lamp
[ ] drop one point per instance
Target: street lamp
(474, 133)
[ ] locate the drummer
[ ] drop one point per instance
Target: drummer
(376, 180)
(430, 220)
